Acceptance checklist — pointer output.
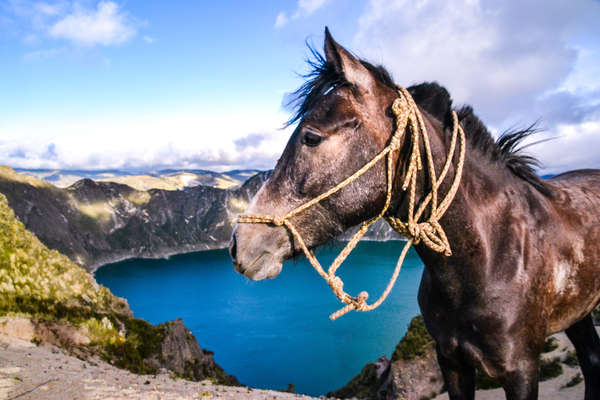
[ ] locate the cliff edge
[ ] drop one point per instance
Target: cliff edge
(47, 298)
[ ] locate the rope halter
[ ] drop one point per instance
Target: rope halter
(429, 232)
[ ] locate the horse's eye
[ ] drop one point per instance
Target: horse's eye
(311, 139)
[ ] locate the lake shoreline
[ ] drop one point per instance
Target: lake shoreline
(167, 254)
(270, 333)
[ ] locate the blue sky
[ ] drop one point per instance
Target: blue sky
(153, 84)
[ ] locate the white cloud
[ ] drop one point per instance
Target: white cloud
(106, 25)
(281, 20)
(497, 56)
(307, 7)
(515, 62)
(149, 39)
(304, 8)
(250, 138)
(572, 146)
(84, 23)
(37, 14)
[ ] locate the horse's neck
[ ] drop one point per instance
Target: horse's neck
(460, 222)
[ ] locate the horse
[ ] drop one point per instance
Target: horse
(525, 259)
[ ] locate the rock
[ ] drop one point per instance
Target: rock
(413, 372)
(414, 379)
(61, 334)
(181, 353)
(19, 327)
(368, 383)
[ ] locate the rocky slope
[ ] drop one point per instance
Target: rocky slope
(95, 223)
(46, 296)
(412, 373)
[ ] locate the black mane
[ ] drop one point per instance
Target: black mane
(323, 78)
(436, 100)
(507, 149)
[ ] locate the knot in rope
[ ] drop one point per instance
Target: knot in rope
(414, 231)
(429, 232)
(278, 221)
(360, 301)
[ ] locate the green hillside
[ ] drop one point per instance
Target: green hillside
(43, 283)
(63, 301)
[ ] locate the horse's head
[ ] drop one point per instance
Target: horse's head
(344, 121)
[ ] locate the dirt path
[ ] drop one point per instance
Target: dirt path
(46, 372)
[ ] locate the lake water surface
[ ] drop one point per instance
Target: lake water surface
(275, 332)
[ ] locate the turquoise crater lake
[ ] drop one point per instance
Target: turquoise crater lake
(275, 332)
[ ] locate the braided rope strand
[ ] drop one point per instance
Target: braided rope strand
(430, 232)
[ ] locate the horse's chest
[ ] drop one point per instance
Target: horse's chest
(461, 345)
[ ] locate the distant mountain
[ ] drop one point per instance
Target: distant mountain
(167, 179)
(97, 222)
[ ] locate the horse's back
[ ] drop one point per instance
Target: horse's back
(578, 176)
(578, 191)
(576, 204)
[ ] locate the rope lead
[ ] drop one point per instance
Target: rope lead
(430, 232)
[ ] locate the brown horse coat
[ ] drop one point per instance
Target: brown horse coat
(526, 252)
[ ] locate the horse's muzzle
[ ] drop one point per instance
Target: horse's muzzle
(252, 260)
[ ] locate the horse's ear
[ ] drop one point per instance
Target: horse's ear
(345, 63)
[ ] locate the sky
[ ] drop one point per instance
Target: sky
(148, 85)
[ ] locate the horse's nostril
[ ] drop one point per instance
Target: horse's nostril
(233, 249)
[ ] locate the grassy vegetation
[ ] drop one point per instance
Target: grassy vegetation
(575, 380)
(362, 386)
(46, 286)
(415, 343)
(49, 288)
(550, 345)
(142, 342)
(571, 359)
(43, 283)
(550, 369)
(176, 181)
(139, 198)
(8, 173)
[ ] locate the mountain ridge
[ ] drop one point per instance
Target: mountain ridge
(96, 223)
(167, 179)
